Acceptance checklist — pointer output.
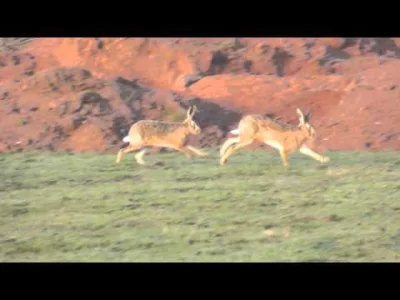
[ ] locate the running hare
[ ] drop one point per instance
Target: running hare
(283, 138)
(173, 135)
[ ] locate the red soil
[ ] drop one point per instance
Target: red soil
(81, 94)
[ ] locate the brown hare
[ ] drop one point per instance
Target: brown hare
(173, 135)
(283, 138)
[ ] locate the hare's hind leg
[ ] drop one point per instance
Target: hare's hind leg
(125, 150)
(311, 153)
(228, 143)
(139, 156)
(230, 150)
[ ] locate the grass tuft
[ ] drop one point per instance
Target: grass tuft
(59, 207)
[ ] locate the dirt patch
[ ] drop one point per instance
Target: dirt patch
(82, 94)
(69, 109)
(86, 138)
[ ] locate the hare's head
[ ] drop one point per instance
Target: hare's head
(304, 123)
(190, 123)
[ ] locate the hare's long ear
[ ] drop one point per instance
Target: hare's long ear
(194, 110)
(190, 112)
(301, 116)
(307, 117)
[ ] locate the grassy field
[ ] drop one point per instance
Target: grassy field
(62, 207)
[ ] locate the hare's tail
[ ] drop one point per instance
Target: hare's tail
(235, 131)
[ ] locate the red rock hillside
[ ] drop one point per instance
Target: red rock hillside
(82, 94)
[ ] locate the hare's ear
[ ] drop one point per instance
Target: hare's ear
(301, 116)
(189, 112)
(194, 109)
(307, 117)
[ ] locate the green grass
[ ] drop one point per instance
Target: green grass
(60, 207)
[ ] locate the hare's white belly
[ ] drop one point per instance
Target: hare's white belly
(273, 144)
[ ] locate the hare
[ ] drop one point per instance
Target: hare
(173, 135)
(283, 138)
